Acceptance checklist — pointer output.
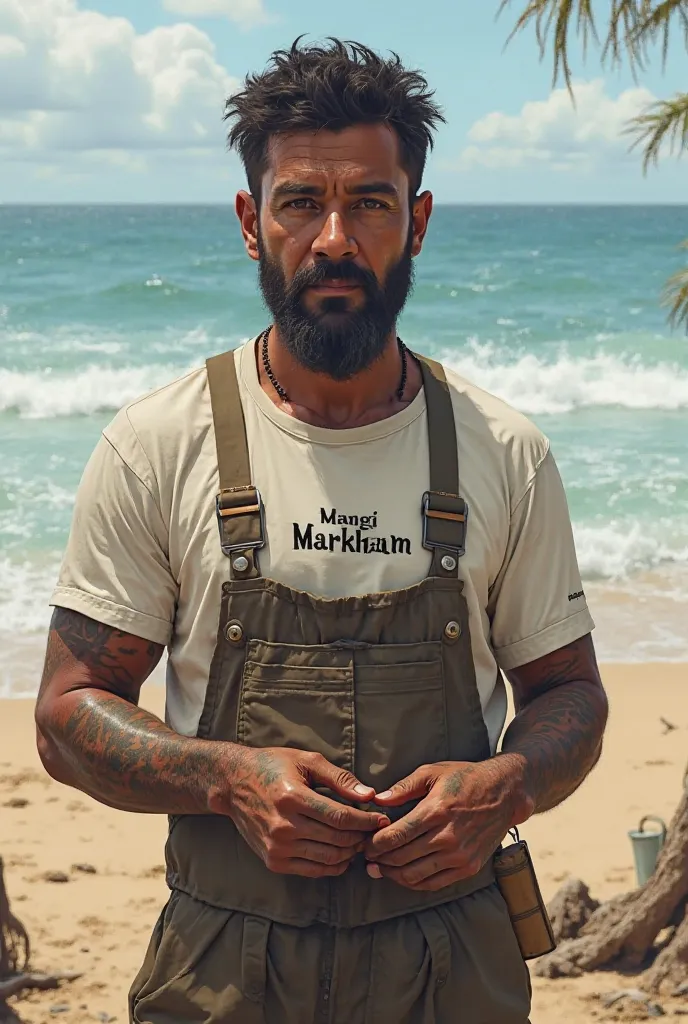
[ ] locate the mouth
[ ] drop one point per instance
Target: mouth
(335, 287)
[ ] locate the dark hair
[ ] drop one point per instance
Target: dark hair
(308, 88)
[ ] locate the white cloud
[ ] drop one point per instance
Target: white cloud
(242, 12)
(79, 81)
(555, 133)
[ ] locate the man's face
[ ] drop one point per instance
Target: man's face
(335, 237)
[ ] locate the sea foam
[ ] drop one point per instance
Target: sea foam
(533, 384)
(45, 395)
(618, 549)
(537, 386)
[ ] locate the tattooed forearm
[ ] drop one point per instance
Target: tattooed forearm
(561, 716)
(93, 736)
(127, 758)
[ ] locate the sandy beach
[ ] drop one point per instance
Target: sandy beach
(98, 922)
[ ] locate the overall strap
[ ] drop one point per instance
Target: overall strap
(445, 513)
(240, 513)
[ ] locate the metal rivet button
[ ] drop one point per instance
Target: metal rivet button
(452, 631)
(449, 563)
(235, 633)
(240, 563)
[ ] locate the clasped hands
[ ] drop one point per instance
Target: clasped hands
(463, 812)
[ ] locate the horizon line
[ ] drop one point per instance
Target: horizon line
(454, 204)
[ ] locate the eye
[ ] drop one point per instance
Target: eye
(373, 204)
(301, 204)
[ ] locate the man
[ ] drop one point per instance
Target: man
(334, 699)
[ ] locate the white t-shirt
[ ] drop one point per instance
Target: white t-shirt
(342, 516)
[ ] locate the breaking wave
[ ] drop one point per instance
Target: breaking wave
(532, 383)
(537, 386)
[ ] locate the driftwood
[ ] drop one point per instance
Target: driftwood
(623, 933)
(15, 954)
(23, 982)
(15, 948)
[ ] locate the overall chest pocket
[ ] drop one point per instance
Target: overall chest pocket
(377, 710)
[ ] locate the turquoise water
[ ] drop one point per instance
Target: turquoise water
(555, 309)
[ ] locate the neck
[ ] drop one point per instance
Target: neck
(318, 399)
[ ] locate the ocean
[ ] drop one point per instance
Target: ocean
(555, 309)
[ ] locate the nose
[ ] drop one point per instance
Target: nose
(333, 243)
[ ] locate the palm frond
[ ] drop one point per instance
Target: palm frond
(633, 26)
(659, 23)
(623, 35)
(675, 296)
(558, 19)
(663, 121)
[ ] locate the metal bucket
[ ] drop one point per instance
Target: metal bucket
(646, 847)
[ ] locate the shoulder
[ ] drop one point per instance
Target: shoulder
(505, 441)
(171, 410)
(168, 420)
(159, 425)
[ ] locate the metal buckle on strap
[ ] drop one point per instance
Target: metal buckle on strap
(249, 503)
(445, 522)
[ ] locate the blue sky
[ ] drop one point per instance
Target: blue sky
(120, 100)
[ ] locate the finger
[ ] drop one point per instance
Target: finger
(419, 871)
(337, 816)
(309, 828)
(414, 824)
(309, 868)
(339, 780)
(322, 853)
(413, 787)
(430, 844)
(433, 883)
(421, 874)
(441, 880)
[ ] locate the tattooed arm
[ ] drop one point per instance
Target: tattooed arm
(466, 809)
(555, 740)
(93, 736)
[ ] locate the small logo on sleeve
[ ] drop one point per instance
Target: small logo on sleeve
(576, 597)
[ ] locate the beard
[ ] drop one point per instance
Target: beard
(337, 340)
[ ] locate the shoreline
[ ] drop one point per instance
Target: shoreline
(639, 619)
(638, 622)
(100, 923)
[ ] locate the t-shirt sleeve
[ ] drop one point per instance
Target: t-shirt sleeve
(537, 603)
(116, 568)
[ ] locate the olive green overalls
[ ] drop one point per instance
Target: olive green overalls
(379, 685)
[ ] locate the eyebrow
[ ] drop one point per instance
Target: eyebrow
(384, 188)
(298, 188)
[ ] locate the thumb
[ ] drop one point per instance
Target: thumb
(413, 787)
(339, 780)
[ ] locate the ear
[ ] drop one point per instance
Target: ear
(422, 211)
(247, 213)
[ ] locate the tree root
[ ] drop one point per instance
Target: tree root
(622, 933)
(670, 968)
(24, 982)
(15, 948)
